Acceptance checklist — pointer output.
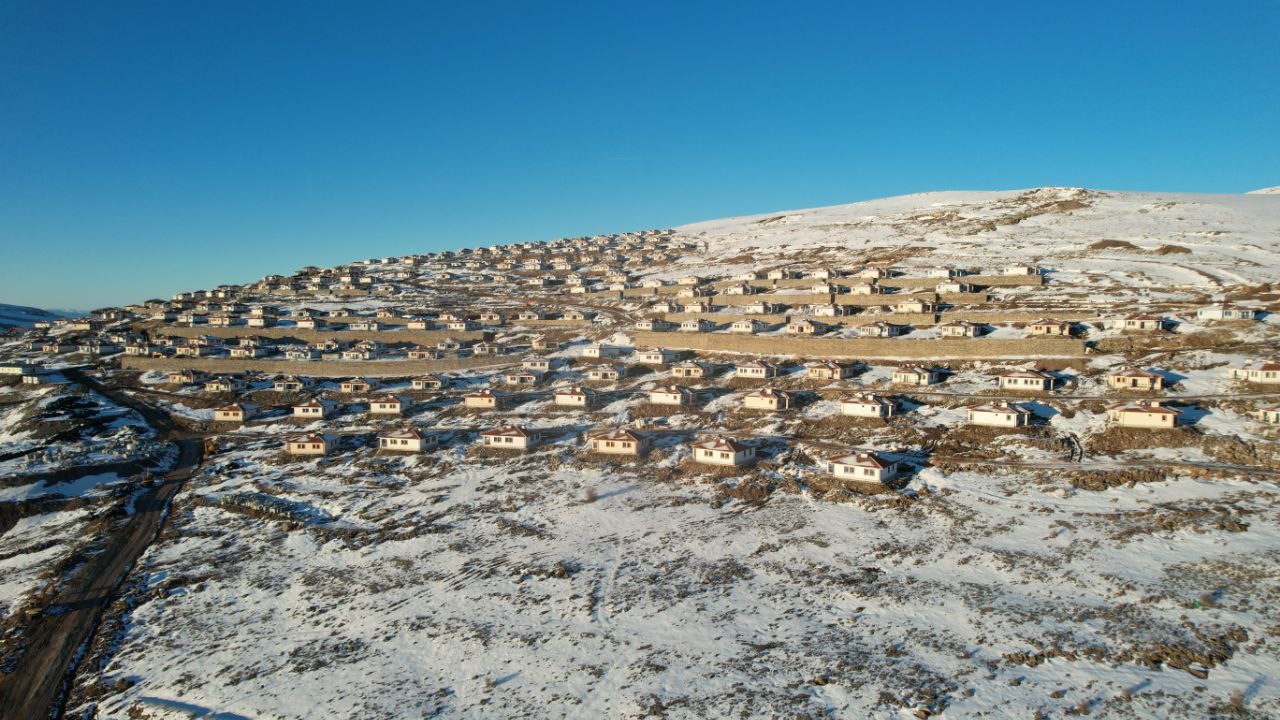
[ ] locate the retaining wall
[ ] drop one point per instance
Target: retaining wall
(316, 368)
(889, 348)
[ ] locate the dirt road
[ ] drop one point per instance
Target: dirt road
(36, 686)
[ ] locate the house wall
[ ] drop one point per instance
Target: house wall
(994, 419)
(1144, 420)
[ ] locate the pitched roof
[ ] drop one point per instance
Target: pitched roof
(723, 444)
(861, 460)
(508, 431)
(620, 434)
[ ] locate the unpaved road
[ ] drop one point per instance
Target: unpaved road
(36, 686)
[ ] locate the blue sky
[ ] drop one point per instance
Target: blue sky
(147, 147)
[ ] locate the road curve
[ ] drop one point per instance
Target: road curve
(37, 685)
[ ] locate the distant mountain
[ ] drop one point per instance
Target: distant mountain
(1266, 191)
(21, 316)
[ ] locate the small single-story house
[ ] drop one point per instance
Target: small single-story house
(862, 467)
(484, 400)
(1049, 327)
(312, 410)
(430, 382)
(654, 325)
(620, 442)
(806, 327)
(355, 386)
(724, 451)
(756, 370)
(1023, 380)
(1135, 379)
(690, 369)
(829, 370)
(866, 289)
(915, 305)
(522, 376)
(536, 363)
(1226, 312)
(999, 414)
(656, 356)
(308, 445)
(828, 310)
(288, 384)
(576, 397)
(1264, 373)
(1020, 269)
(751, 326)
(406, 440)
(916, 375)
(867, 406)
(881, 329)
(601, 350)
(767, 399)
(953, 287)
(960, 328)
(606, 373)
(1268, 414)
(387, 405)
(230, 414)
(697, 325)
(671, 395)
(1149, 414)
(511, 437)
(1143, 322)
(763, 308)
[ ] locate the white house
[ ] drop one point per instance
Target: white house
(511, 437)
(406, 440)
(671, 395)
(960, 329)
(619, 442)
(867, 406)
(600, 350)
(1049, 327)
(312, 410)
(1020, 269)
(750, 326)
(829, 370)
(862, 467)
(229, 414)
(1026, 380)
(881, 329)
(767, 399)
(1149, 414)
(916, 375)
(1143, 322)
(698, 325)
(724, 451)
(756, 370)
(1226, 312)
(308, 445)
(656, 356)
(575, 397)
(1264, 373)
(388, 405)
(999, 414)
(1135, 379)
(605, 373)
(483, 400)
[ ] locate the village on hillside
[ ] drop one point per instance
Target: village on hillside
(819, 383)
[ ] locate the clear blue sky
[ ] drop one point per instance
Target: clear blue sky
(151, 147)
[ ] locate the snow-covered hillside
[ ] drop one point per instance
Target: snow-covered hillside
(1205, 240)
